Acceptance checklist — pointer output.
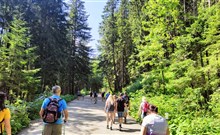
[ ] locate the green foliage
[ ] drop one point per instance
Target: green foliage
(17, 71)
(19, 115)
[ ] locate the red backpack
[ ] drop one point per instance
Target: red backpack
(145, 106)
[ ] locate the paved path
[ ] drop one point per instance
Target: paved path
(87, 118)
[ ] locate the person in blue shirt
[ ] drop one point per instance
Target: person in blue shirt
(107, 95)
(55, 128)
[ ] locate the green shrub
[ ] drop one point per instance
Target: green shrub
(19, 115)
(185, 116)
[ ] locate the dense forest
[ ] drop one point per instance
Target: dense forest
(43, 43)
(166, 50)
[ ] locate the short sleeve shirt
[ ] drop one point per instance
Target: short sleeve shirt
(62, 106)
(120, 105)
(155, 124)
(4, 114)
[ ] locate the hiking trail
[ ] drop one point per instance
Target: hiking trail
(87, 118)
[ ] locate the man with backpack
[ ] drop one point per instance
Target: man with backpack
(51, 113)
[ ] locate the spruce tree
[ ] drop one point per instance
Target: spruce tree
(78, 51)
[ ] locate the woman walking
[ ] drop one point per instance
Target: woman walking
(115, 110)
(4, 116)
(109, 109)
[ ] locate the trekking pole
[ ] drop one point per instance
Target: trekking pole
(64, 127)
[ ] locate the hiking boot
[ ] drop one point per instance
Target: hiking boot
(110, 128)
(107, 127)
(119, 128)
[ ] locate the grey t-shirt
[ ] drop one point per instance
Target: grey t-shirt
(155, 124)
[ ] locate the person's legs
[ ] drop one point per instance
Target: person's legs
(114, 117)
(47, 129)
(125, 114)
(120, 116)
(107, 119)
(57, 129)
(111, 119)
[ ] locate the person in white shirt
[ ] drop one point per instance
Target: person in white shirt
(154, 124)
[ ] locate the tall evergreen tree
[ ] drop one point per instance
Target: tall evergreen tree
(108, 31)
(78, 51)
(17, 70)
(124, 44)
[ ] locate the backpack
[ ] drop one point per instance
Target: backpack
(1, 127)
(51, 113)
(145, 106)
(111, 107)
(126, 98)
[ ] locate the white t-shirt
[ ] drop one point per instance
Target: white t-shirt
(155, 124)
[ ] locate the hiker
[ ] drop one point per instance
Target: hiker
(143, 108)
(103, 96)
(115, 102)
(120, 109)
(154, 124)
(51, 113)
(91, 95)
(5, 116)
(109, 109)
(95, 97)
(126, 98)
(79, 95)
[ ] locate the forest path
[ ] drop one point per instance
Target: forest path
(87, 118)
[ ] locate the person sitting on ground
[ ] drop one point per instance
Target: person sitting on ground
(51, 113)
(154, 124)
(143, 108)
(120, 109)
(5, 115)
(109, 109)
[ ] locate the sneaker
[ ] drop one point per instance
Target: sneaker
(107, 127)
(120, 126)
(110, 128)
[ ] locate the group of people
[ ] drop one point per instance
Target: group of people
(152, 122)
(94, 95)
(115, 105)
(54, 110)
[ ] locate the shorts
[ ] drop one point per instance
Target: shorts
(120, 114)
(52, 129)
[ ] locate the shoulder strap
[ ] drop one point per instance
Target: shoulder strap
(60, 99)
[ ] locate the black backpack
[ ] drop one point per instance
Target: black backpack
(51, 113)
(1, 127)
(111, 107)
